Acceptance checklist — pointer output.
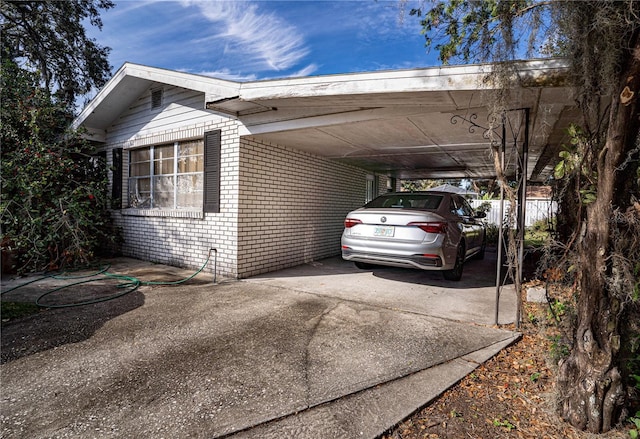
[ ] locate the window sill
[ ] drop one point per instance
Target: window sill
(197, 214)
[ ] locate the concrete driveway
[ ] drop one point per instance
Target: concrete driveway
(471, 300)
(319, 351)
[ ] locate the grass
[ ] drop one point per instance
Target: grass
(16, 310)
(535, 238)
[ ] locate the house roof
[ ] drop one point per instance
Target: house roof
(415, 123)
(130, 81)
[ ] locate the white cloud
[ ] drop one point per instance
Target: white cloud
(226, 74)
(265, 37)
(306, 71)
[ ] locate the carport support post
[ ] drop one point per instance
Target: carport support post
(522, 209)
(500, 227)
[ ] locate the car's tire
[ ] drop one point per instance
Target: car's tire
(363, 265)
(455, 274)
(483, 249)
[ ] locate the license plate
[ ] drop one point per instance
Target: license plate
(386, 231)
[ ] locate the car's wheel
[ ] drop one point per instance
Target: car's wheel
(483, 249)
(363, 265)
(455, 273)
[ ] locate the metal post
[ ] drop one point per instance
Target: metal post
(500, 227)
(215, 263)
(522, 208)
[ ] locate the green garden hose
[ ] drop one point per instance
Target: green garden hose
(129, 283)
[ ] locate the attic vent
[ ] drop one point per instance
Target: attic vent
(156, 98)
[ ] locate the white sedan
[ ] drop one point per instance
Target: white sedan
(426, 230)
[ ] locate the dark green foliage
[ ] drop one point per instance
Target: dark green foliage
(53, 207)
(49, 37)
(480, 31)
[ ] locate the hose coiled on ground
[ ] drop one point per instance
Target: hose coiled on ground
(128, 283)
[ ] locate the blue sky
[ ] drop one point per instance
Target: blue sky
(251, 40)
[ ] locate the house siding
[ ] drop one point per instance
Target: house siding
(179, 108)
(169, 237)
(279, 207)
(292, 206)
(176, 237)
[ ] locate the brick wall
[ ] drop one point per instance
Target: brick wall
(184, 239)
(291, 206)
(279, 208)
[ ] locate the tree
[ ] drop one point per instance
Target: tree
(601, 41)
(49, 37)
(425, 184)
(53, 205)
(53, 209)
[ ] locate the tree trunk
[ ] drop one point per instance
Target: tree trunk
(590, 383)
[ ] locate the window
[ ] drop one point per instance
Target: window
(460, 207)
(167, 176)
(372, 188)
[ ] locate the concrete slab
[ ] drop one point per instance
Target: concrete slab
(537, 295)
(251, 358)
(371, 412)
(472, 300)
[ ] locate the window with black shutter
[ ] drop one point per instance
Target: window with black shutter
(168, 176)
(116, 181)
(212, 149)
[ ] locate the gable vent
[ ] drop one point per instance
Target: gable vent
(156, 98)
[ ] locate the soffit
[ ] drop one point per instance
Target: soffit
(428, 133)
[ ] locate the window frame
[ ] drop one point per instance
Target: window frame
(150, 203)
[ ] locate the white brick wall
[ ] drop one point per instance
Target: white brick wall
(184, 241)
(292, 206)
(279, 207)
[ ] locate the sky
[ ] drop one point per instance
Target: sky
(266, 39)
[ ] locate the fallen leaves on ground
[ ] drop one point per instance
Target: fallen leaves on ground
(509, 396)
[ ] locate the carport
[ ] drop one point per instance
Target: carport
(411, 123)
(428, 123)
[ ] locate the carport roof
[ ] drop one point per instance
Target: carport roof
(403, 123)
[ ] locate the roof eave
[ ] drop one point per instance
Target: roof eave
(132, 79)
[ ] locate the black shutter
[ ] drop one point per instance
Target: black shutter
(116, 181)
(212, 146)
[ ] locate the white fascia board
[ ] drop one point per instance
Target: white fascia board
(448, 78)
(102, 94)
(189, 81)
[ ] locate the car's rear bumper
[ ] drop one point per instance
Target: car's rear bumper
(406, 261)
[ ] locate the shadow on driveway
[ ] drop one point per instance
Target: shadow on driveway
(476, 274)
(51, 328)
(338, 353)
(62, 324)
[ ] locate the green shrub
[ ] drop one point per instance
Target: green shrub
(53, 210)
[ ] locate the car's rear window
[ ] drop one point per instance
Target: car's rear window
(408, 201)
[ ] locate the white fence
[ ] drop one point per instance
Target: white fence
(535, 210)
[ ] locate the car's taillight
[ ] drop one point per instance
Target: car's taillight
(435, 227)
(350, 222)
